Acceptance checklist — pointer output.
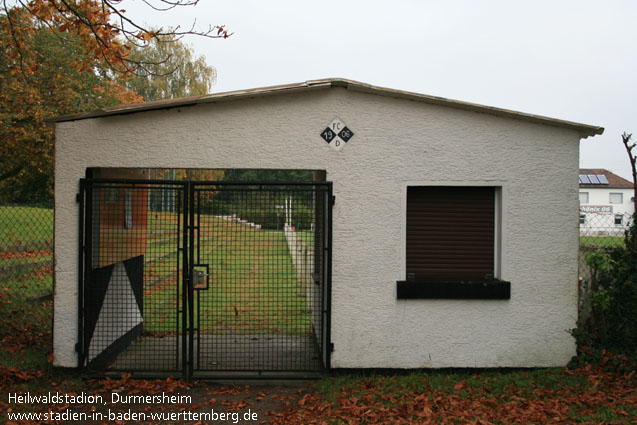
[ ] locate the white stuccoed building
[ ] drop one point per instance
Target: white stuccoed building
(454, 231)
(606, 202)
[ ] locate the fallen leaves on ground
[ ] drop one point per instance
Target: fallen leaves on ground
(606, 398)
(586, 395)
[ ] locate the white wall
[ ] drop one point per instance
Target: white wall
(396, 143)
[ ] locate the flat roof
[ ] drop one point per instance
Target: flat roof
(584, 130)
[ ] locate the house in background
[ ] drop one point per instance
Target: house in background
(606, 202)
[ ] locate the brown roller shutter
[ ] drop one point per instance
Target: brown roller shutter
(450, 232)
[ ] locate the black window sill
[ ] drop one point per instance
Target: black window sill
(453, 289)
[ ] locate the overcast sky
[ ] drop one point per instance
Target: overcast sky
(571, 59)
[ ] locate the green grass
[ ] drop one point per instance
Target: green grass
(33, 258)
(26, 284)
(462, 396)
(252, 290)
(601, 241)
(307, 237)
(26, 235)
(521, 382)
(23, 225)
(25, 314)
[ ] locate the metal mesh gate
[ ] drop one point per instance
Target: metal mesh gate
(132, 293)
(260, 277)
(205, 278)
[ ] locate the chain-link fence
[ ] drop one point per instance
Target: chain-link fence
(26, 275)
(599, 232)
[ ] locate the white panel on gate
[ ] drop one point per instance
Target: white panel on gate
(118, 315)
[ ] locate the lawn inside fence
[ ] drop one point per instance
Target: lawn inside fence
(592, 241)
(252, 285)
(307, 237)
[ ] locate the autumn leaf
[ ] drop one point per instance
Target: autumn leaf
(459, 385)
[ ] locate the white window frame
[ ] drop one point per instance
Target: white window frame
(621, 219)
(621, 196)
(580, 198)
(582, 219)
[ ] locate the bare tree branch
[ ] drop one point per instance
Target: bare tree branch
(626, 138)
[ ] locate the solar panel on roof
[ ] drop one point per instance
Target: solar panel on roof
(583, 178)
(602, 179)
(593, 179)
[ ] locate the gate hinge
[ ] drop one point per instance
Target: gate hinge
(77, 197)
(333, 199)
(77, 347)
(331, 347)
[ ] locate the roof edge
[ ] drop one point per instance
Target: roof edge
(584, 130)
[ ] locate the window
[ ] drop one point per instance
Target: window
(582, 219)
(619, 219)
(452, 244)
(583, 197)
(450, 232)
(616, 198)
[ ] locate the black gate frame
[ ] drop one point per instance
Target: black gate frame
(187, 247)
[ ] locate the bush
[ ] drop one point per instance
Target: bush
(611, 322)
(271, 218)
(267, 218)
(302, 218)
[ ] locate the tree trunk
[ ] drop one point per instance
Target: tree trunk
(629, 149)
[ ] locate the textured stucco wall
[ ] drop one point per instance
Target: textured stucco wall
(396, 143)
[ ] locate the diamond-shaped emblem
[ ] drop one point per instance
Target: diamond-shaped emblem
(346, 134)
(336, 134)
(337, 143)
(328, 135)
